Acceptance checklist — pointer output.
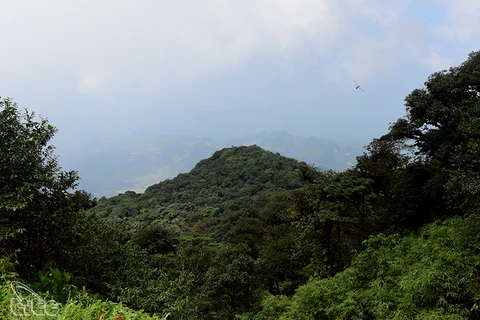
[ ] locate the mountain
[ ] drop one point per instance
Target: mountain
(323, 153)
(230, 180)
(142, 158)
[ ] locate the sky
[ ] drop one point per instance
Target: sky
(99, 70)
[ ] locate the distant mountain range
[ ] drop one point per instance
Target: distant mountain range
(143, 159)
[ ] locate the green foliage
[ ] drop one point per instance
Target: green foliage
(26, 161)
(441, 126)
(44, 224)
(229, 180)
(57, 284)
(429, 275)
(82, 307)
(76, 304)
(35, 194)
(103, 310)
(332, 218)
(155, 239)
(230, 282)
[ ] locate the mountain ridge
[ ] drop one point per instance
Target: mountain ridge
(143, 158)
(230, 179)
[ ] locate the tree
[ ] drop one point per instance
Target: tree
(35, 194)
(333, 217)
(441, 127)
(406, 188)
(230, 282)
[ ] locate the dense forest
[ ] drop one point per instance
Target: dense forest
(251, 234)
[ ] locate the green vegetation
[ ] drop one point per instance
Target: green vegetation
(141, 159)
(231, 180)
(250, 234)
(432, 274)
(45, 226)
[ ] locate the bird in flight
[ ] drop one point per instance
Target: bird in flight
(357, 86)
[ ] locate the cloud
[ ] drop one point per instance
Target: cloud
(464, 19)
(178, 41)
(90, 83)
(385, 13)
(367, 57)
(435, 62)
(146, 45)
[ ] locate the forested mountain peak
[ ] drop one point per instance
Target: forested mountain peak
(237, 164)
(141, 159)
(224, 182)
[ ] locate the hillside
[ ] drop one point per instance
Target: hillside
(231, 179)
(141, 159)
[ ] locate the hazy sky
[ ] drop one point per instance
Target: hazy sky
(104, 68)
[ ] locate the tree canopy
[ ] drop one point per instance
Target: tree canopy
(441, 127)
